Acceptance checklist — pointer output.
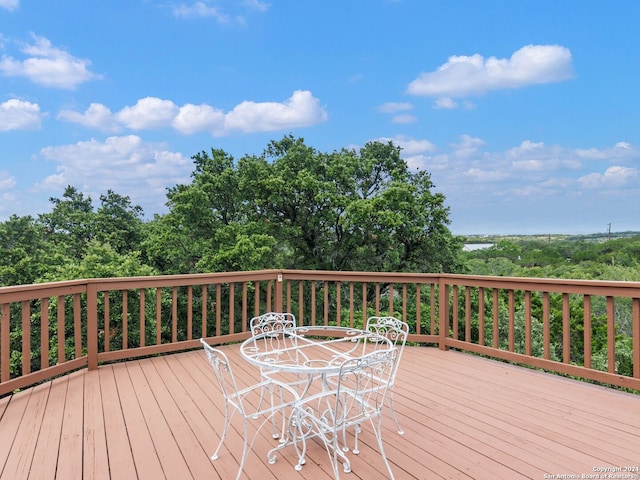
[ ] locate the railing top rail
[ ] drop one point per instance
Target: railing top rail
(350, 276)
(587, 287)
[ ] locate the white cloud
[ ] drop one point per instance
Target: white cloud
(7, 182)
(96, 116)
(411, 146)
(205, 9)
(48, 66)
(467, 147)
(301, 109)
(394, 107)
(9, 4)
(200, 9)
(525, 148)
(94, 167)
(19, 115)
(257, 5)
(446, 103)
(148, 113)
(620, 151)
(404, 119)
(7, 195)
(467, 75)
(197, 118)
(615, 176)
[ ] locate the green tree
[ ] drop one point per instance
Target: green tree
(296, 207)
(70, 225)
(353, 210)
(22, 251)
(119, 223)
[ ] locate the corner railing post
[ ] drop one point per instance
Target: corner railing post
(92, 327)
(443, 313)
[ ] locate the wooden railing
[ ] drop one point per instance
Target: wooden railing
(587, 329)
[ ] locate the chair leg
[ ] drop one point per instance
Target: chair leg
(357, 431)
(378, 432)
(245, 449)
(225, 429)
(274, 432)
(393, 413)
(337, 458)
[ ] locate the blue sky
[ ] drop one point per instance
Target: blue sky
(525, 113)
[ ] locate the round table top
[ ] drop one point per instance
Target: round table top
(310, 349)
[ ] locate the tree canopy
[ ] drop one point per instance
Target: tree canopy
(296, 207)
(290, 207)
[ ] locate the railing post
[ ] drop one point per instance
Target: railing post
(92, 326)
(635, 335)
(278, 293)
(443, 313)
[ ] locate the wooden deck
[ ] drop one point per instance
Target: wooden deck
(464, 417)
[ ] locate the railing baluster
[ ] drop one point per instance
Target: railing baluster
(587, 331)
(546, 327)
(125, 319)
(142, 311)
(158, 315)
(26, 337)
(512, 320)
(203, 313)
(481, 316)
(635, 315)
(611, 335)
(44, 333)
(61, 330)
(566, 329)
(527, 323)
(5, 344)
(189, 312)
(218, 310)
(107, 333)
(455, 314)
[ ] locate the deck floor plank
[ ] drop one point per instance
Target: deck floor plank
(26, 437)
(96, 463)
(165, 444)
(120, 455)
(44, 464)
(70, 451)
(145, 457)
(464, 417)
(170, 396)
(10, 424)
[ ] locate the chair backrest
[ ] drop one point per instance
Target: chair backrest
(224, 374)
(362, 387)
(393, 329)
(271, 322)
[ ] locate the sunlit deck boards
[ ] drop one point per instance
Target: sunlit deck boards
(464, 417)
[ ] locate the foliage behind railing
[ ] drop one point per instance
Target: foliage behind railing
(587, 329)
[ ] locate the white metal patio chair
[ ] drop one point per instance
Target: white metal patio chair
(271, 321)
(247, 402)
(362, 385)
(397, 332)
(274, 323)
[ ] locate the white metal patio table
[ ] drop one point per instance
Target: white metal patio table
(308, 352)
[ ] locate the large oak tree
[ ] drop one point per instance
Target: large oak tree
(296, 207)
